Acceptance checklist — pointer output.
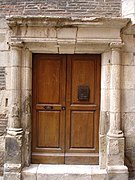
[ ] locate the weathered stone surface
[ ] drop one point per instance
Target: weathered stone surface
(15, 78)
(88, 47)
(66, 33)
(104, 122)
(63, 172)
(4, 39)
(26, 78)
(115, 151)
(105, 100)
(115, 100)
(14, 168)
(102, 152)
(88, 33)
(128, 100)
(128, 123)
(3, 24)
(63, 177)
(2, 78)
(13, 149)
(26, 58)
(98, 176)
(15, 56)
(117, 173)
(128, 77)
(11, 176)
(115, 176)
(27, 148)
(66, 48)
(106, 58)
(130, 142)
(128, 43)
(8, 78)
(4, 102)
(4, 59)
(30, 173)
(115, 125)
(3, 126)
(51, 47)
(115, 71)
(128, 59)
(105, 76)
(32, 32)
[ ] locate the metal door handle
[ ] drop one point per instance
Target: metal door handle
(48, 108)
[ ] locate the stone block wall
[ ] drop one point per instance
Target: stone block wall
(4, 93)
(128, 100)
(102, 8)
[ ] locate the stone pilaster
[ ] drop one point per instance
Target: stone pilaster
(26, 104)
(115, 140)
(104, 107)
(13, 148)
(115, 129)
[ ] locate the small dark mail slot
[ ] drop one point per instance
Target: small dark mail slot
(83, 93)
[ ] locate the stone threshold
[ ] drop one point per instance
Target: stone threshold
(63, 172)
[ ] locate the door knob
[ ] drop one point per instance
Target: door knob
(63, 108)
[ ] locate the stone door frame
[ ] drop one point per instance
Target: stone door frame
(64, 36)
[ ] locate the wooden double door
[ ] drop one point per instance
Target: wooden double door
(66, 98)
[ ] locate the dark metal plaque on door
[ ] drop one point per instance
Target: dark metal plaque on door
(83, 93)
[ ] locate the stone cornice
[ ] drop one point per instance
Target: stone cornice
(56, 21)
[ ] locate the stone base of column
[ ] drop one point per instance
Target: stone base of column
(13, 155)
(115, 151)
(115, 159)
(117, 173)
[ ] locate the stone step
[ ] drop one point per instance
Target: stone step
(63, 172)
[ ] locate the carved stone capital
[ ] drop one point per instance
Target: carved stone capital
(116, 45)
(18, 44)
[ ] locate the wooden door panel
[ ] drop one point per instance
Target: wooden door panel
(82, 129)
(48, 81)
(82, 75)
(48, 129)
(82, 115)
